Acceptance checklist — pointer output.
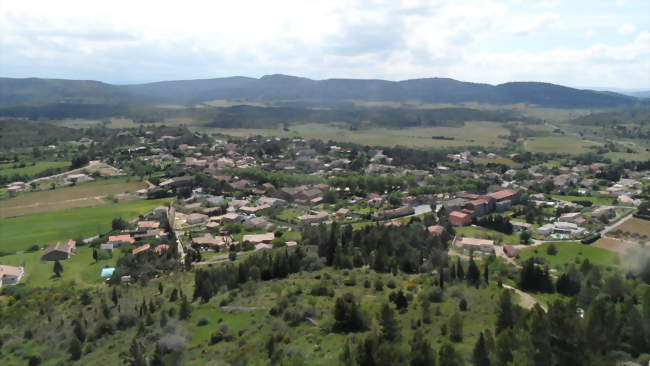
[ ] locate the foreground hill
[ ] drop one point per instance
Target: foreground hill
(283, 87)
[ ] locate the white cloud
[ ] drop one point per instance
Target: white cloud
(548, 4)
(538, 23)
(481, 40)
(626, 29)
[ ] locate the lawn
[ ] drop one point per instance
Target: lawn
(83, 195)
(19, 233)
(471, 134)
(7, 170)
(80, 268)
(570, 252)
(483, 233)
(597, 200)
(559, 144)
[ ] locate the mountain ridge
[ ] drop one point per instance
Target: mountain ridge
(276, 87)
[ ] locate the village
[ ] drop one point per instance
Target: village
(234, 197)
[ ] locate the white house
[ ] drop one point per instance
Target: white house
(10, 275)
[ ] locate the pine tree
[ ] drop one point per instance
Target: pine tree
(389, 326)
(505, 317)
(486, 277)
(114, 297)
(347, 356)
(480, 353)
(74, 349)
(448, 356)
(185, 309)
(136, 354)
(505, 340)
(158, 358)
(79, 331)
(460, 273)
(456, 328)
(426, 311)
(422, 353)
(473, 273)
(163, 319)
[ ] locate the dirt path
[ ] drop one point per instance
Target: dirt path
(525, 299)
(242, 308)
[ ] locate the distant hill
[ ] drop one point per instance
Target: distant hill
(48, 91)
(283, 87)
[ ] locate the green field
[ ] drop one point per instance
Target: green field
(19, 233)
(483, 233)
(569, 252)
(597, 200)
(472, 134)
(559, 144)
(83, 195)
(80, 268)
(7, 170)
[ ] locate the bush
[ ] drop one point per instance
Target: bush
(126, 321)
(551, 250)
(221, 334)
(462, 305)
(202, 322)
(435, 295)
(33, 248)
(590, 239)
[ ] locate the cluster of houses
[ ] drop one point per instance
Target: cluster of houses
(469, 205)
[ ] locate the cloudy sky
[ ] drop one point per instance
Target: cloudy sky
(586, 43)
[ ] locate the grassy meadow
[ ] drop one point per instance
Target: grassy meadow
(8, 170)
(20, 233)
(83, 195)
(471, 134)
(559, 144)
(80, 268)
(570, 252)
(597, 200)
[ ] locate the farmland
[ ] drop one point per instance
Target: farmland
(570, 252)
(20, 233)
(471, 134)
(84, 195)
(635, 226)
(8, 170)
(559, 144)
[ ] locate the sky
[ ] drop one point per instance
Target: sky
(580, 43)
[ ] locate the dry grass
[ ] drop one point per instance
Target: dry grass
(634, 225)
(617, 245)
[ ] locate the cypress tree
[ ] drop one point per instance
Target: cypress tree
(460, 273)
(473, 273)
(422, 353)
(505, 317)
(480, 353)
(389, 326)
